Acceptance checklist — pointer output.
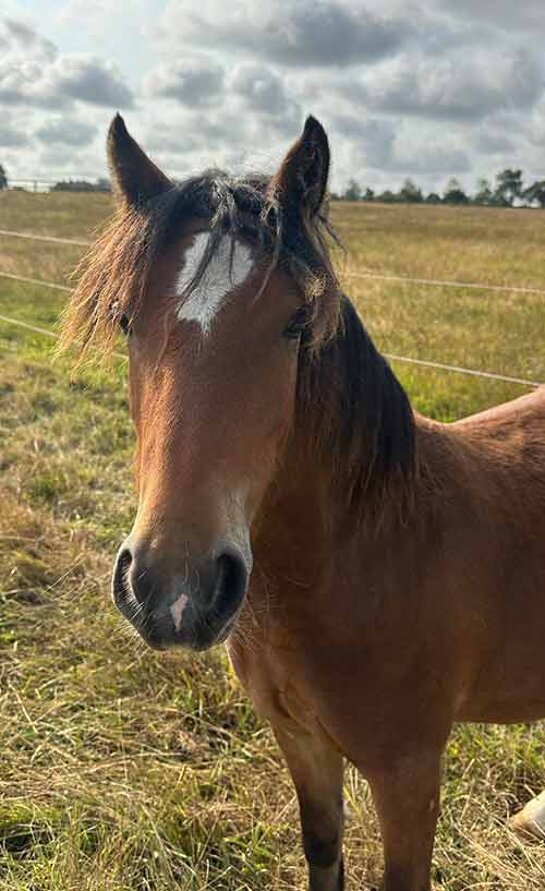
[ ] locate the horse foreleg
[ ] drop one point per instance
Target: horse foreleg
(406, 795)
(316, 768)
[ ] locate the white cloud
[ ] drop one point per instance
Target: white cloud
(428, 88)
(373, 139)
(526, 15)
(17, 36)
(66, 131)
(467, 85)
(489, 142)
(33, 73)
(289, 32)
(192, 81)
(89, 79)
(261, 88)
(12, 133)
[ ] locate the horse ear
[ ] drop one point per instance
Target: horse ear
(302, 177)
(135, 177)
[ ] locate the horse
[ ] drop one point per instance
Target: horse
(377, 576)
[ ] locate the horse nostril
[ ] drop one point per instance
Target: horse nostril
(121, 580)
(231, 579)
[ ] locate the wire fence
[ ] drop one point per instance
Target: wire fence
(31, 184)
(409, 360)
(445, 283)
(434, 282)
(34, 236)
(45, 184)
(35, 281)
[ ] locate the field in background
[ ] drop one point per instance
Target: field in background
(123, 770)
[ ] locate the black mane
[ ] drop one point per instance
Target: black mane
(357, 412)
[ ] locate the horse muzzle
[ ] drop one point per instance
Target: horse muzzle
(183, 602)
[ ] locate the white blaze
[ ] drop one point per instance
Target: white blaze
(177, 610)
(228, 268)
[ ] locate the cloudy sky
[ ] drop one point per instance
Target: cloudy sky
(421, 88)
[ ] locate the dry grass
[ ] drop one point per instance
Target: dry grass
(127, 771)
(64, 214)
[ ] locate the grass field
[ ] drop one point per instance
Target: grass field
(124, 770)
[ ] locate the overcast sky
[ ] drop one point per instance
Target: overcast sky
(421, 88)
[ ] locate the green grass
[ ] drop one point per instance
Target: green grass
(124, 770)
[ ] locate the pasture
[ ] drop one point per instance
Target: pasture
(124, 770)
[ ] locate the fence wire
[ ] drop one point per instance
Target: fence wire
(409, 360)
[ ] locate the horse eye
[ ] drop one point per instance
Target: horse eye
(125, 325)
(296, 325)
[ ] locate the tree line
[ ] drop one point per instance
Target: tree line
(81, 185)
(65, 185)
(508, 189)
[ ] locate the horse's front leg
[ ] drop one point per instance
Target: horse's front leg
(316, 768)
(406, 795)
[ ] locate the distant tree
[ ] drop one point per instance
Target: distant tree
(388, 197)
(410, 192)
(368, 195)
(509, 185)
(535, 193)
(453, 184)
(454, 194)
(3, 178)
(68, 185)
(352, 191)
(498, 200)
(433, 198)
(484, 193)
(81, 185)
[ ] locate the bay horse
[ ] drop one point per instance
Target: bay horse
(377, 576)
